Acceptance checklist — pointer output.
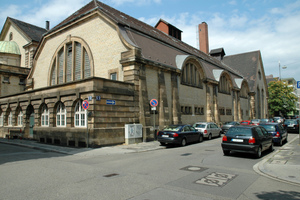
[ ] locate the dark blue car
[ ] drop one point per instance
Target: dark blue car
(279, 133)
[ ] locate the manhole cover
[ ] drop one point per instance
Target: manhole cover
(194, 168)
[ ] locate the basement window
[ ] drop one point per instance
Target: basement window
(6, 79)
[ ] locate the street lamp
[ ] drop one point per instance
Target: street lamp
(284, 67)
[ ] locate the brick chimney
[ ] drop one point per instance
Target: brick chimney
(203, 37)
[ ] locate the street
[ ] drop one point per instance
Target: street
(196, 171)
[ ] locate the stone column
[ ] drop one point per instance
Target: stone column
(175, 100)
(216, 104)
(252, 106)
(163, 101)
(209, 113)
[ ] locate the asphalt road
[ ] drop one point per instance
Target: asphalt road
(197, 171)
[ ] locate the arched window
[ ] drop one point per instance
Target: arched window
(191, 76)
(20, 118)
(80, 115)
(1, 118)
(224, 86)
(9, 120)
(71, 63)
(44, 116)
(61, 115)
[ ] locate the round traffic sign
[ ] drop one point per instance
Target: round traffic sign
(85, 104)
(153, 102)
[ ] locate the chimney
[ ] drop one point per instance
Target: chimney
(203, 37)
(47, 25)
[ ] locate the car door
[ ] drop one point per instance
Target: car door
(267, 138)
(194, 133)
(261, 138)
(283, 131)
(186, 132)
(216, 130)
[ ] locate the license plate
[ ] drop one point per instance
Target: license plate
(237, 140)
(290, 125)
(165, 136)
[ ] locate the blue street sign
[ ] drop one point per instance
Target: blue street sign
(98, 98)
(90, 98)
(110, 102)
(298, 84)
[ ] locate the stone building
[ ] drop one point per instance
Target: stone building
(118, 64)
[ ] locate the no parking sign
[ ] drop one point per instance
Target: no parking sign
(85, 104)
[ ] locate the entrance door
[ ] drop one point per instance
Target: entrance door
(31, 125)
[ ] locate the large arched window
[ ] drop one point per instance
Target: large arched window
(71, 63)
(20, 118)
(224, 85)
(191, 76)
(44, 116)
(61, 115)
(80, 115)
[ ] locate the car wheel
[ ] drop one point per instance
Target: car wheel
(162, 143)
(209, 136)
(183, 142)
(258, 153)
(200, 139)
(226, 152)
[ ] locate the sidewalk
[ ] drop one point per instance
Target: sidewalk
(283, 164)
(117, 149)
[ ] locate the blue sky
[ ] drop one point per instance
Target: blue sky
(271, 26)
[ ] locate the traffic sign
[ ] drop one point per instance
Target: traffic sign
(85, 104)
(298, 84)
(153, 102)
(110, 102)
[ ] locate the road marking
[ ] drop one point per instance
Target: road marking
(216, 179)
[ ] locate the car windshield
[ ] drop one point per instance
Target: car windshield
(172, 128)
(239, 131)
(199, 125)
(268, 127)
(244, 122)
(290, 122)
(264, 120)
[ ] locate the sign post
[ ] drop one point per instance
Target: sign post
(154, 103)
(85, 106)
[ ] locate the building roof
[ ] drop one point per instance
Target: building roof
(10, 47)
(246, 64)
(35, 33)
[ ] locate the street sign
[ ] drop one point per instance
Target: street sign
(90, 98)
(110, 102)
(153, 102)
(298, 84)
(85, 104)
(98, 98)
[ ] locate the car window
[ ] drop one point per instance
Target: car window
(281, 128)
(172, 128)
(269, 127)
(234, 131)
(192, 128)
(199, 125)
(186, 129)
(214, 125)
(259, 132)
(264, 131)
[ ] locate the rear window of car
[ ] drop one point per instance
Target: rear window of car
(234, 131)
(268, 127)
(199, 125)
(290, 122)
(244, 122)
(172, 128)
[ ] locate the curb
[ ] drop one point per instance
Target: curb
(260, 169)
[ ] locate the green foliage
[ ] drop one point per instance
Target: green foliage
(281, 98)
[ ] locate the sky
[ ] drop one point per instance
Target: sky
(239, 26)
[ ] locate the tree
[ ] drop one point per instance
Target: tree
(282, 98)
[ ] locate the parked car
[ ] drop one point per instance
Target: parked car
(179, 134)
(255, 122)
(245, 122)
(278, 132)
(291, 125)
(227, 125)
(278, 119)
(209, 129)
(265, 120)
(247, 139)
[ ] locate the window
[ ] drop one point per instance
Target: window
(222, 111)
(20, 118)
(228, 112)
(5, 79)
(191, 76)
(113, 76)
(80, 115)
(71, 63)
(22, 81)
(11, 36)
(61, 115)
(1, 119)
(45, 116)
(224, 86)
(9, 121)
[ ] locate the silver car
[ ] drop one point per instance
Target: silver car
(209, 129)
